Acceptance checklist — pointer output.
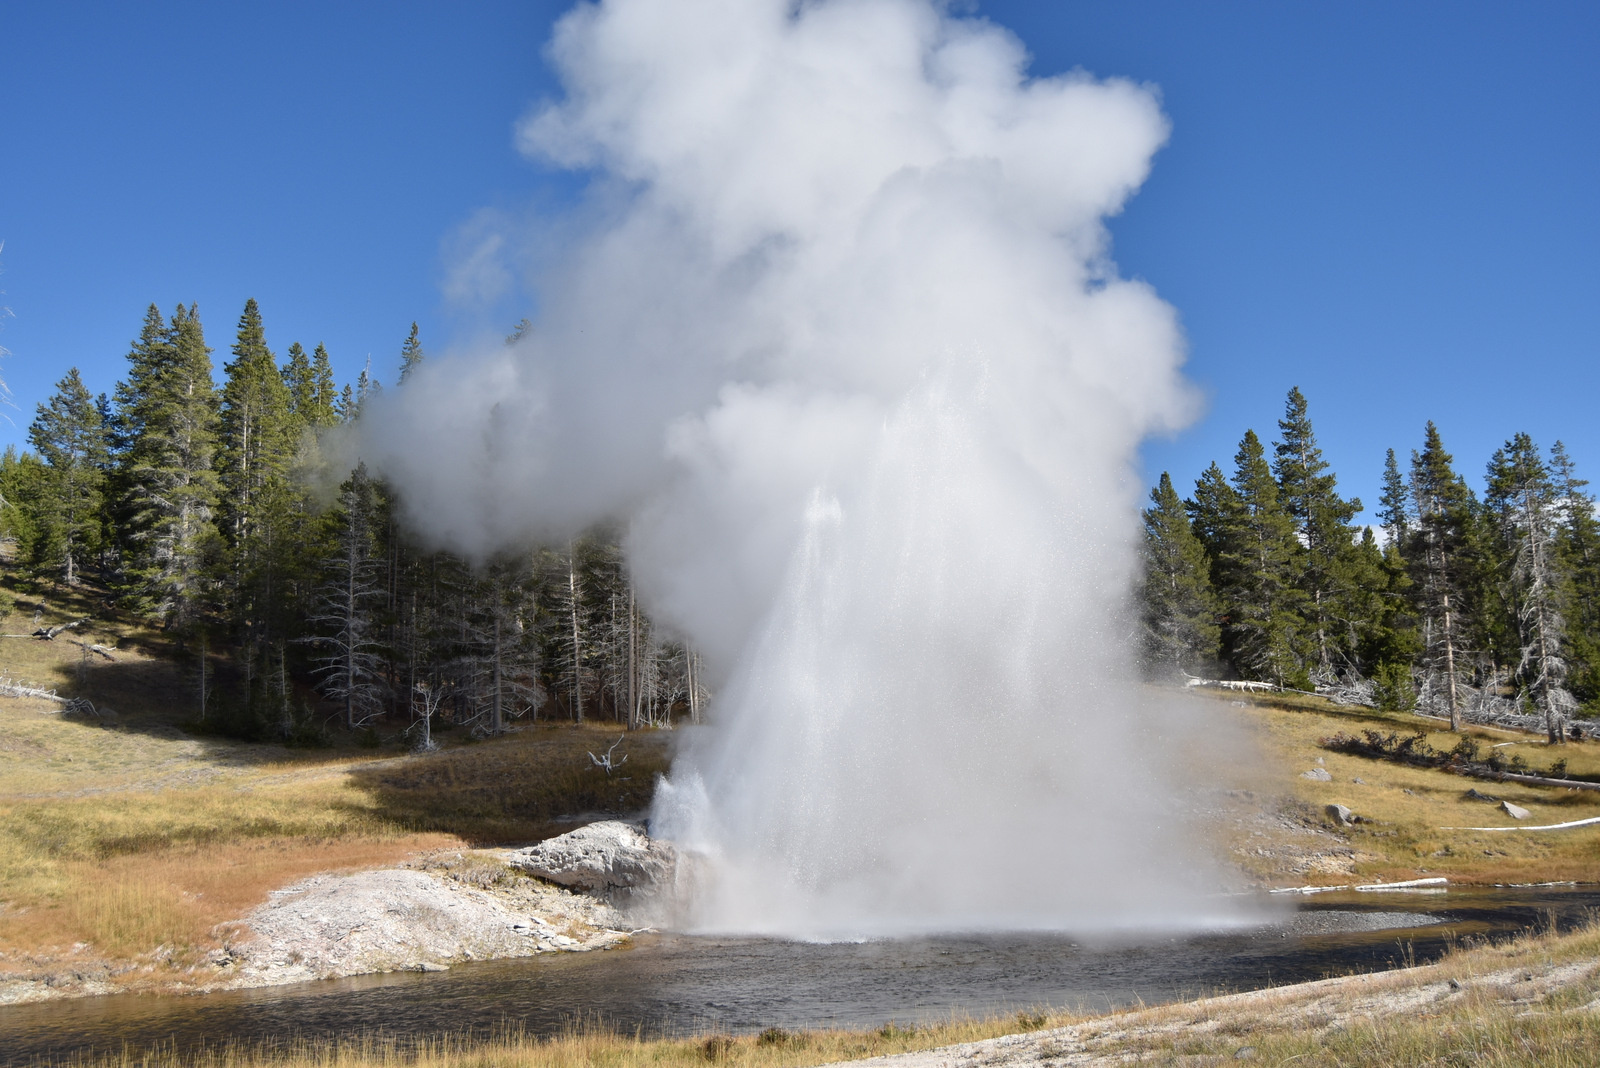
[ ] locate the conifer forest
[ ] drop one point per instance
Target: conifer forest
(1482, 609)
(291, 589)
(303, 609)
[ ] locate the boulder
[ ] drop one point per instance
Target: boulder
(611, 859)
(1317, 775)
(1516, 812)
(1342, 816)
(1475, 795)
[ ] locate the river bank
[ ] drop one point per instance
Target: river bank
(1532, 1000)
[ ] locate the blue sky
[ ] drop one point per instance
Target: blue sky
(1393, 206)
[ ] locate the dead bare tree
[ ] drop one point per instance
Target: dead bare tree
(606, 761)
(430, 697)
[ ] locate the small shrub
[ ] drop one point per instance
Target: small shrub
(775, 1036)
(716, 1047)
(1393, 689)
(1031, 1021)
(1467, 751)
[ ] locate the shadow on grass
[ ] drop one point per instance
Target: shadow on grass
(521, 788)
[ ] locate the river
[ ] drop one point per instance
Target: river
(677, 984)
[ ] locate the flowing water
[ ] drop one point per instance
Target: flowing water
(675, 984)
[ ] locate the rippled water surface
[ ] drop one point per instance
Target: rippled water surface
(669, 984)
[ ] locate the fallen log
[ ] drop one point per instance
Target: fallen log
(1546, 827)
(93, 648)
(1533, 780)
(48, 634)
(11, 688)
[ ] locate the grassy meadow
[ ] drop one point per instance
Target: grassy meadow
(1408, 812)
(130, 836)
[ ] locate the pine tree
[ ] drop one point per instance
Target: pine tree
(23, 487)
(1308, 492)
(410, 354)
(325, 395)
(1437, 551)
(1251, 542)
(343, 621)
(166, 426)
(299, 380)
(1524, 499)
(1263, 557)
(1579, 546)
(1395, 513)
(1180, 608)
(257, 429)
(71, 440)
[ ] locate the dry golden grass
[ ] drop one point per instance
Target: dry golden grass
(1410, 809)
(133, 869)
(596, 1047)
(123, 835)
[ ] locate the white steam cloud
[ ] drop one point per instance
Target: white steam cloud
(840, 340)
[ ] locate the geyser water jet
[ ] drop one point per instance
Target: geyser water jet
(840, 337)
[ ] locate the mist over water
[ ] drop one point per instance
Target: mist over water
(839, 336)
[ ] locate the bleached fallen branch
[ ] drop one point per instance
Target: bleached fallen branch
(10, 687)
(1233, 684)
(93, 648)
(1408, 884)
(48, 634)
(606, 761)
(1545, 827)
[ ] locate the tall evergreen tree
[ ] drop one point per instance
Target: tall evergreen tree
(257, 428)
(23, 487)
(1309, 494)
(1265, 614)
(1523, 498)
(1180, 608)
(166, 425)
(1438, 559)
(325, 395)
(1579, 545)
(300, 381)
(1254, 556)
(71, 440)
(410, 354)
(1395, 510)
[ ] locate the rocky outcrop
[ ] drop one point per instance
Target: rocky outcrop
(613, 860)
(407, 919)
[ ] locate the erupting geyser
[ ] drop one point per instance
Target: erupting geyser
(839, 335)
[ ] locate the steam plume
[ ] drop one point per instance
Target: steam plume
(840, 338)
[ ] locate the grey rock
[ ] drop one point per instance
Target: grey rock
(1317, 775)
(1341, 815)
(1516, 812)
(611, 859)
(1474, 795)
